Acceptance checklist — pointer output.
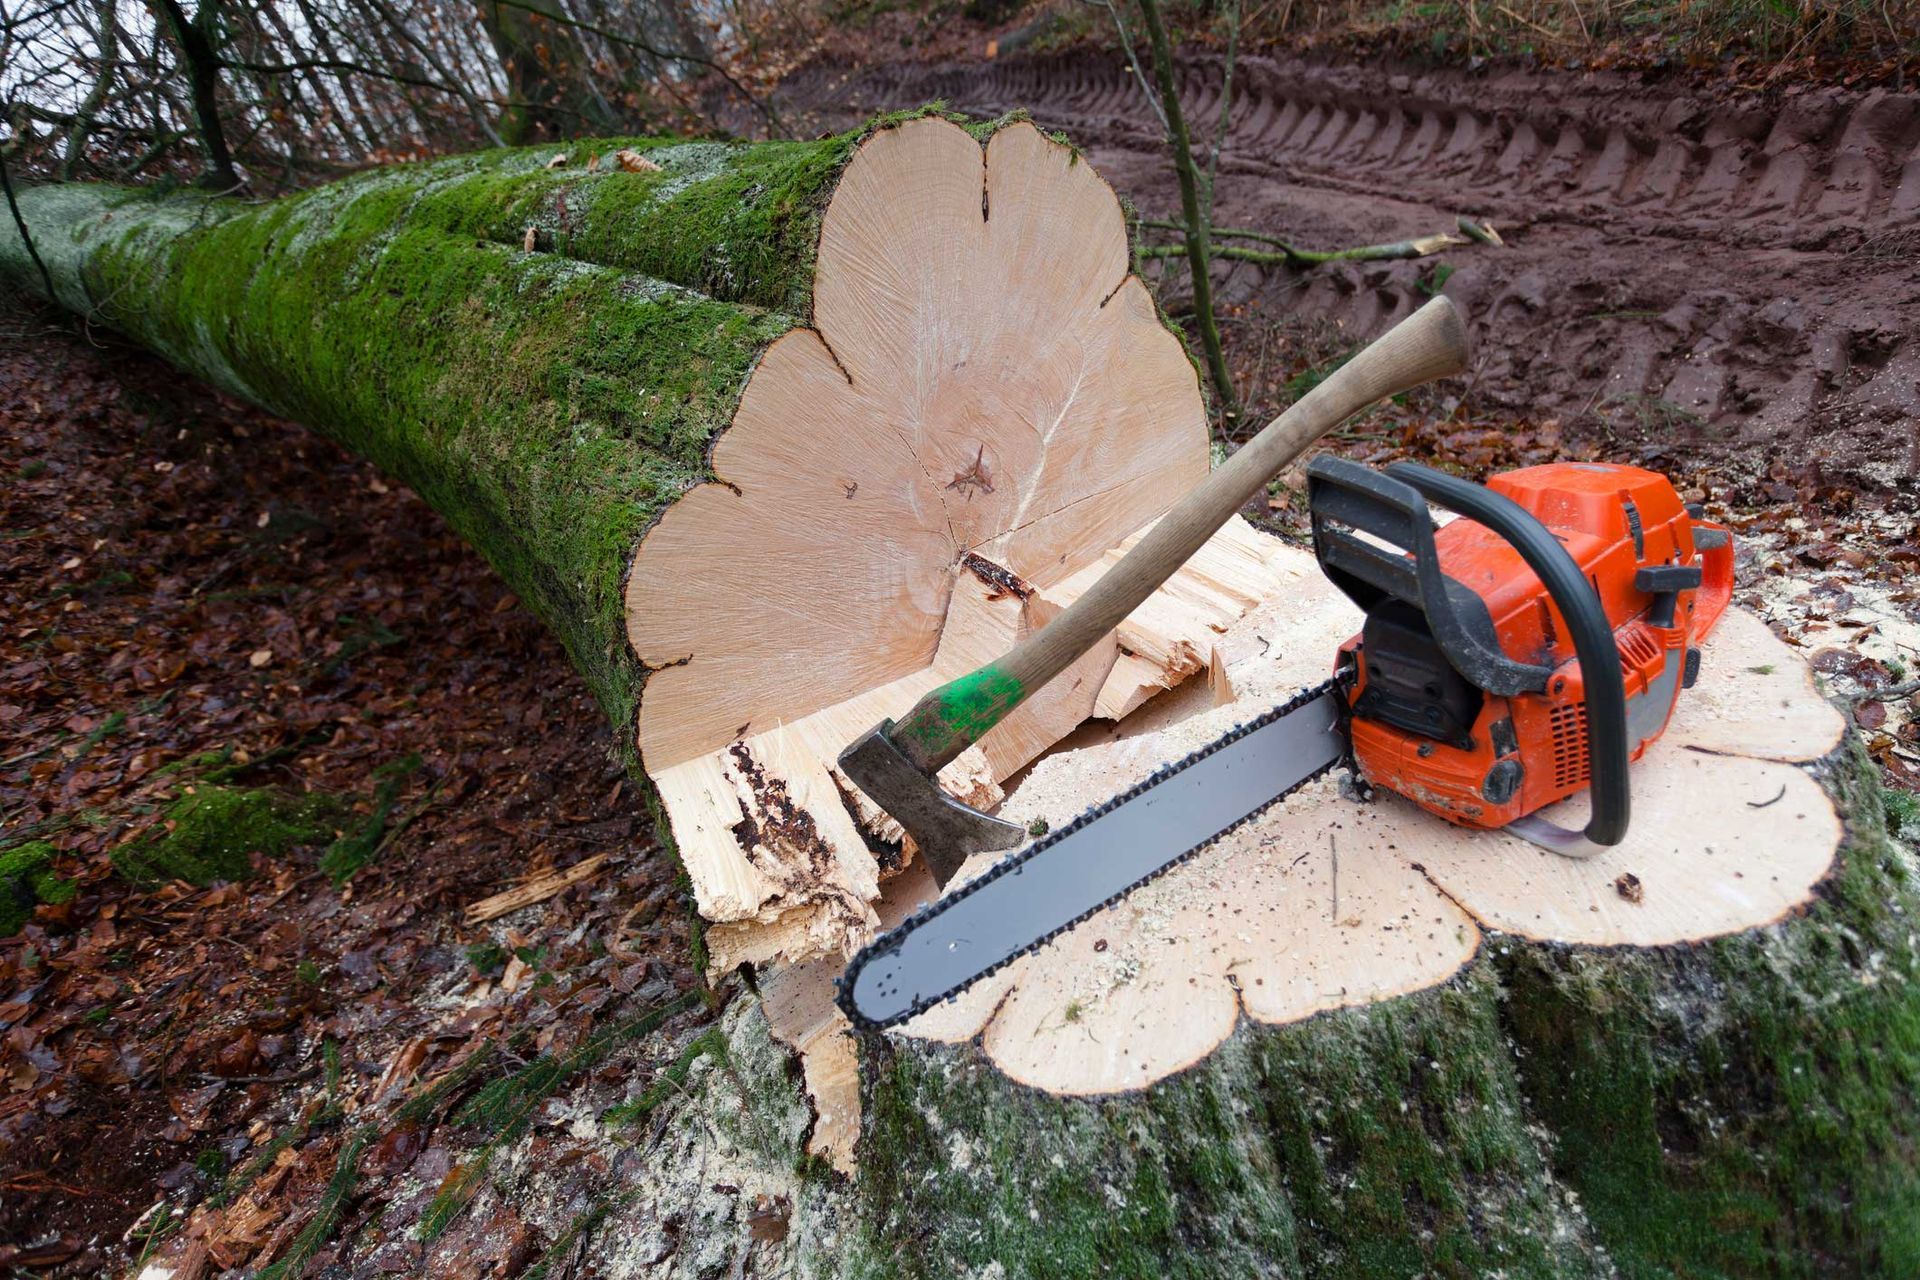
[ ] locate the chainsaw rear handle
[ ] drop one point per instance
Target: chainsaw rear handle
(1393, 508)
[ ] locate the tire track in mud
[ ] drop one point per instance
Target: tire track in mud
(1732, 277)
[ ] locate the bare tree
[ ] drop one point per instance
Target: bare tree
(274, 93)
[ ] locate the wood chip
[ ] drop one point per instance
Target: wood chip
(536, 890)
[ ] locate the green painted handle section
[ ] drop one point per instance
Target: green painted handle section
(961, 711)
(1430, 343)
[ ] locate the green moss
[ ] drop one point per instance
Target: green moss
(27, 880)
(1902, 810)
(1384, 1141)
(1746, 1109)
(213, 832)
(356, 848)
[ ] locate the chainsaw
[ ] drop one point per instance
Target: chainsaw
(1524, 652)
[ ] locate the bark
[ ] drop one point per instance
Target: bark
(1739, 1107)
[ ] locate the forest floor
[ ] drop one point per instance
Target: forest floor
(267, 734)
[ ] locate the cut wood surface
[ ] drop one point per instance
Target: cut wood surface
(1325, 902)
(985, 414)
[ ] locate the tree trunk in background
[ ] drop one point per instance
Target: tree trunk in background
(548, 89)
(1736, 1108)
(190, 38)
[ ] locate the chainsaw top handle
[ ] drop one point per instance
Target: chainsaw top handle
(1347, 498)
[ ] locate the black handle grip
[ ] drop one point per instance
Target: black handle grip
(1393, 506)
(1586, 619)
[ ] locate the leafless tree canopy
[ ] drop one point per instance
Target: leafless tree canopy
(271, 93)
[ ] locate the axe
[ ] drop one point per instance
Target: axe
(896, 761)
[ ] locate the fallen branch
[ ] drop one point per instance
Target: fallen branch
(1284, 254)
(549, 885)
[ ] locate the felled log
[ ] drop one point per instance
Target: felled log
(777, 436)
(944, 395)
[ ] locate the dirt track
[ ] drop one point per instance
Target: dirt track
(1696, 274)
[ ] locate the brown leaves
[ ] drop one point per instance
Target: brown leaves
(142, 1030)
(625, 160)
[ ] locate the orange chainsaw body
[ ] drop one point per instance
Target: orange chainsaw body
(1481, 759)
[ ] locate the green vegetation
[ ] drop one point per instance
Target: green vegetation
(27, 879)
(504, 1108)
(357, 848)
(709, 1043)
(1902, 814)
(212, 833)
(320, 1228)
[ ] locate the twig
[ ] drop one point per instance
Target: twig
(1291, 255)
(1333, 851)
(1133, 64)
(533, 891)
(1199, 242)
(293, 1077)
(1423, 247)
(1226, 102)
(26, 237)
(1891, 691)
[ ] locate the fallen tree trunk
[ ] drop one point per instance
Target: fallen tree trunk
(775, 437)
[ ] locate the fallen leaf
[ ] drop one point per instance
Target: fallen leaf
(260, 657)
(632, 161)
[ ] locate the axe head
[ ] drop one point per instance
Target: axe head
(946, 830)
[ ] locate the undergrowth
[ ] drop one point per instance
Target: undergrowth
(503, 1109)
(212, 832)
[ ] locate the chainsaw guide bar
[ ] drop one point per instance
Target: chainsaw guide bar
(870, 992)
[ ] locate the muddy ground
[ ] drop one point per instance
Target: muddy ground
(1694, 270)
(295, 1068)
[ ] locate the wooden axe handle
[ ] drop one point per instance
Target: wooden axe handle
(1430, 343)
